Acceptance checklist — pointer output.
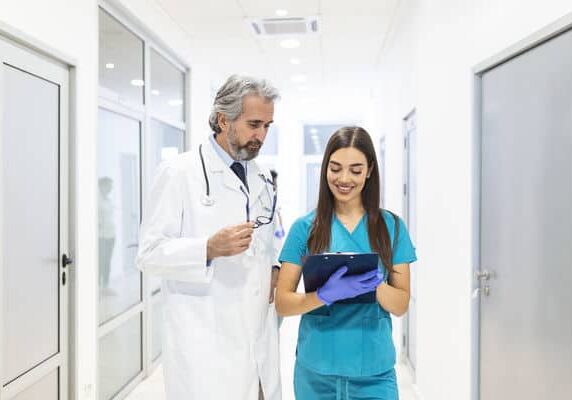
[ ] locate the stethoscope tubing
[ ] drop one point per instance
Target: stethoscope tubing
(207, 200)
(207, 183)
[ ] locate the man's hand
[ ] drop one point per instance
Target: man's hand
(273, 282)
(230, 241)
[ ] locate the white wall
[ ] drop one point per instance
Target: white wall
(427, 64)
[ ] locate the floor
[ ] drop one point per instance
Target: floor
(152, 388)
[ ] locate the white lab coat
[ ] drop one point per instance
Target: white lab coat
(220, 334)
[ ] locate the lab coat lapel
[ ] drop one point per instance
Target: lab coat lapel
(255, 182)
(217, 167)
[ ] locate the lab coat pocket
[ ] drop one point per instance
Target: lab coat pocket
(378, 350)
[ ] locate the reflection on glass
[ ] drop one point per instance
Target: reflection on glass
(157, 333)
(312, 185)
(120, 357)
(167, 89)
(316, 137)
(106, 235)
(120, 61)
(167, 142)
(118, 213)
(270, 147)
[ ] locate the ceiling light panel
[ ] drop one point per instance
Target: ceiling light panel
(290, 43)
(297, 8)
(197, 10)
(358, 8)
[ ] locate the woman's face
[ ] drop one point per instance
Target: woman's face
(347, 173)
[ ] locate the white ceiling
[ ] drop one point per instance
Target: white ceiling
(339, 61)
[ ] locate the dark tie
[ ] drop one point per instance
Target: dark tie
(238, 169)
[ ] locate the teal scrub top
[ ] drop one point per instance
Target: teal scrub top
(352, 340)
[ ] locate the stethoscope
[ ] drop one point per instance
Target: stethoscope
(206, 198)
(208, 201)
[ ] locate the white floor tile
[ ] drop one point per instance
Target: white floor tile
(152, 387)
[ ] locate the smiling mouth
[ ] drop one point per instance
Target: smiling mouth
(344, 189)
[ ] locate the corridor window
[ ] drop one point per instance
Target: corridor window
(167, 97)
(316, 137)
(121, 75)
(270, 147)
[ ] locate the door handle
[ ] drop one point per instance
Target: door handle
(485, 290)
(66, 260)
(482, 275)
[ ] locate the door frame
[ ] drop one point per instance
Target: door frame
(46, 63)
(409, 166)
(534, 40)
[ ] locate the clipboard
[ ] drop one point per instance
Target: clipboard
(316, 270)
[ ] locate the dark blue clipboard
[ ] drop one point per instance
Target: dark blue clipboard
(316, 270)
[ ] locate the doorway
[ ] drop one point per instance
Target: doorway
(525, 262)
(34, 95)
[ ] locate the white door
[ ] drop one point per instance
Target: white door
(526, 226)
(33, 225)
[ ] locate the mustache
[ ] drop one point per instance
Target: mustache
(254, 142)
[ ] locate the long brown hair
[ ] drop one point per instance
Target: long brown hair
(319, 238)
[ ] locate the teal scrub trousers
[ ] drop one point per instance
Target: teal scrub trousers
(309, 385)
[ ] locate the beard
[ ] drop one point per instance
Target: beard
(242, 152)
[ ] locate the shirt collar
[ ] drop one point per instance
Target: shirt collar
(225, 157)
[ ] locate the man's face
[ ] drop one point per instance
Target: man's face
(244, 137)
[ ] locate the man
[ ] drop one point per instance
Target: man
(208, 231)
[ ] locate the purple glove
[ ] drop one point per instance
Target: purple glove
(339, 287)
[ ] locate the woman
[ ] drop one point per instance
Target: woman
(345, 351)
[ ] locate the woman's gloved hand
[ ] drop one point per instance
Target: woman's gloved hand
(339, 287)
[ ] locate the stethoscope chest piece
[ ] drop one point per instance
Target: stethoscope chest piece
(207, 201)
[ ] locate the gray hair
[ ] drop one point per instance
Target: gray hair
(228, 100)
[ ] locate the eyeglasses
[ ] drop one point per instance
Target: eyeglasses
(262, 219)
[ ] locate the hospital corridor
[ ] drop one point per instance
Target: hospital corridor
(285, 200)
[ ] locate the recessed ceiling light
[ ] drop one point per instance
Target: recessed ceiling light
(282, 12)
(109, 65)
(155, 92)
(175, 102)
(295, 61)
(299, 78)
(290, 43)
(137, 82)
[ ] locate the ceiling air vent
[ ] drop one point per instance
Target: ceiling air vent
(284, 26)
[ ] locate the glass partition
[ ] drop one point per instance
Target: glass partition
(120, 61)
(118, 213)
